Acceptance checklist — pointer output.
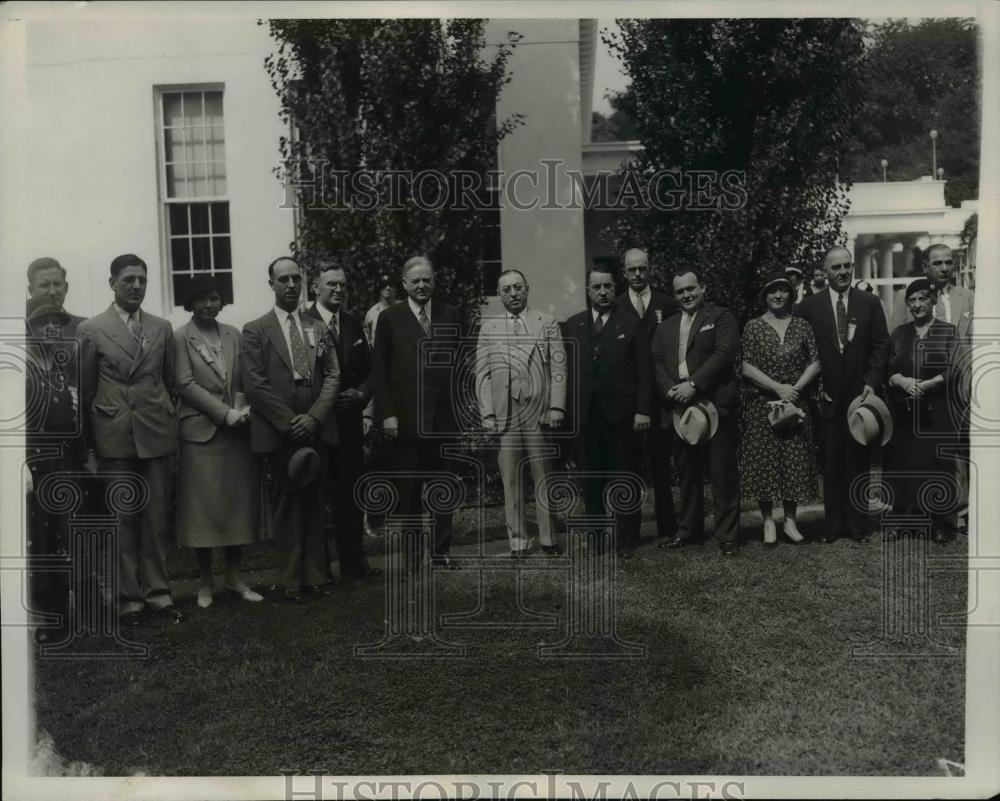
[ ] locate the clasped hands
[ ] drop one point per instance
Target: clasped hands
(911, 386)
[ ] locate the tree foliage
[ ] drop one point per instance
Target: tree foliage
(370, 96)
(919, 78)
(771, 98)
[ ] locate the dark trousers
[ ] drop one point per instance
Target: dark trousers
(606, 449)
(660, 442)
(296, 515)
(720, 451)
(844, 461)
(347, 468)
(412, 459)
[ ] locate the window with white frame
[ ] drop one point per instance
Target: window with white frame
(193, 192)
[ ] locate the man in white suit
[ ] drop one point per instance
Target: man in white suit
(954, 303)
(521, 384)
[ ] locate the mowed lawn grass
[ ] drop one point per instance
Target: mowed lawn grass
(748, 669)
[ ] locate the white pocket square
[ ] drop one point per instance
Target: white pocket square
(621, 336)
(356, 342)
(706, 327)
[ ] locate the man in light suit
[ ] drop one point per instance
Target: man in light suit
(611, 378)
(127, 389)
(413, 382)
(345, 333)
(521, 385)
(291, 378)
(695, 355)
(651, 307)
(853, 344)
(954, 303)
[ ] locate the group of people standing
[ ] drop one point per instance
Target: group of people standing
(279, 412)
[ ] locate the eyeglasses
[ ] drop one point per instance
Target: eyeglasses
(945, 262)
(636, 269)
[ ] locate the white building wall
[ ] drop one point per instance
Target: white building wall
(91, 123)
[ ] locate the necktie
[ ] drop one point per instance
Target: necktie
(300, 362)
(135, 329)
(425, 321)
(599, 324)
(518, 325)
(335, 329)
(841, 319)
(640, 306)
(940, 310)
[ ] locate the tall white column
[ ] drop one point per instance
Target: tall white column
(885, 271)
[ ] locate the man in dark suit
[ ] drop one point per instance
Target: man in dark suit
(611, 376)
(695, 355)
(291, 378)
(346, 334)
(853, 344)
(651, 307)
(413, 385)
(127, 394)
(53, 439)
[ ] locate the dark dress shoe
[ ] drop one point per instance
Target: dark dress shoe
(130, 619)
(519, 554)
(728, 548)
(670, 542)
(372, 572)
(320, 589)
(826, 539)
(444, 562)
(553, 550)
(294, 596)
(941, 537)
(171, 613)
(860, 536)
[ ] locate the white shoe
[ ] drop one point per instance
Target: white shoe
(205, 597)
(770, 533)
(792, 531)
(243, 591)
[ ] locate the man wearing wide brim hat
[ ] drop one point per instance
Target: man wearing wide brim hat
(695, 354)
(869, 421)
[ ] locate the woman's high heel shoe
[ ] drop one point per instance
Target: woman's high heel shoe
(791, 530)
(770, 533)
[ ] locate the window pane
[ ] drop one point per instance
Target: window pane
(223, 256)
(199, 218)
(216, 184)
(196, 139)
(213, 108)
(178, 219)
(202, 253)
(220, 218)
(173, 144)
(217, 144)
(176, 183)
(192, 108)
(179, 257)
(172, 108)
(197, 180)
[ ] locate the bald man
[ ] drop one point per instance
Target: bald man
(853, 343)
(651, 307)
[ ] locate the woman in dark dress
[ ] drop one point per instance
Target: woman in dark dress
(923, 368)
(780, 361)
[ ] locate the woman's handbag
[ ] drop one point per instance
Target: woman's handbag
(784, 416)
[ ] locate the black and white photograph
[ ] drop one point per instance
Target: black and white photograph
(500, 400)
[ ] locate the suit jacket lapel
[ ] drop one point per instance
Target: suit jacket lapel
(695, 325)
(142, 351)
(306, 323)
(606, 337)
(673, 333)
(197, 342)
(830, 320)
(119, 334)
(273, 330)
